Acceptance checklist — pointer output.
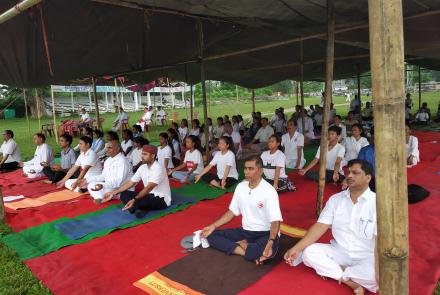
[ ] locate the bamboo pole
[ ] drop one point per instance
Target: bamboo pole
(236, 92)
(191, 100)
(296, 92)
(253, 100)
(54, 116)
(420, 89)
(26, 112)
(301, 82)
(387, 59)
(358, 74)
(2, 206)
(95, 98)
(38, 108)
(17, 9)
(327, 101)
(202, 81)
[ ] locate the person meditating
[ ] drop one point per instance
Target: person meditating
(257, 202)
(193, 161)
(259, 142)
(351, 256)
(293, 143)
(11, 152)
(155, 195)
(117, 170)
(224, 159)
(56, 172)
(412, 148)
(89, 165)
(354, 143)
(43, 155)
(335, 156)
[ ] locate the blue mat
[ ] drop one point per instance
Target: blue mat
(76, 229)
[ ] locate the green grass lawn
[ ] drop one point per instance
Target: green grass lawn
(16, 278)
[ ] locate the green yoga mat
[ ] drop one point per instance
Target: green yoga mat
(45, 238)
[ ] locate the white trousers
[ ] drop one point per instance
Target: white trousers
(99, 194)
(327, 259)
(68, 184)
(27, 169)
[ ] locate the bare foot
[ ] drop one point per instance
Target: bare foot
(243, 244)
(47, 181)
(359, 291)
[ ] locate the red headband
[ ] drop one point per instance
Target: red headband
(149, 149)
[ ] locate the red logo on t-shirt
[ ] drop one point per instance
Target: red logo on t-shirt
(190, 165)
(260, 205)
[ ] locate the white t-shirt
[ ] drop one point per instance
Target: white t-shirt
(236, 138)
(126, 144)
(338, 151)
(43, 153)
(218, 131)
(221, 161)
(318, 119)
(259, 207)
(183, 132)
(263, 134)
(155, 174)
(192, 158)
(271, 162)
(135, 156)
(279, 125)
(89, 158)
(291, 145)
(308, 126)
(11, 148)
(165, 153)
(353, 146)
(422, 117)
(161, 114)
(85, 117)
(195, 132)
(412, 148)
(147, 117)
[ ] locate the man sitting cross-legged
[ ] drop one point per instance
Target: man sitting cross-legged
(43, 156)
(155, 195)
(351, 257)
(117, 170)
(257, 201)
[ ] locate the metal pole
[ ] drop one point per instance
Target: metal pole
(420, 89)
(327, 101)
(55, 127)
(95, 97)
(202, 81)
(387, 72)
(26, 112)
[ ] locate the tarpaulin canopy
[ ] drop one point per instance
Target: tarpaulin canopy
(146, 39)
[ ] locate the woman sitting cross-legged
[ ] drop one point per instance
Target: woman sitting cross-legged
(193, 161)
(274, 163)
(224, 159)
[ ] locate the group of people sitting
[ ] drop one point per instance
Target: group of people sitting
(111, 169)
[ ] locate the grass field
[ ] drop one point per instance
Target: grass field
(16, 278)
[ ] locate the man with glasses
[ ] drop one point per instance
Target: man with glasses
(10, 151)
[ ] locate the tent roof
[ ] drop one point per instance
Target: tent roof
(146, 39)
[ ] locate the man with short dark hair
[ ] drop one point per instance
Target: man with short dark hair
(43, 155)
(10, 151)
(257, 202)
(56, 172)
(351, 257)
(259, 142)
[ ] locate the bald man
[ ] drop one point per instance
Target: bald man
(117, 170)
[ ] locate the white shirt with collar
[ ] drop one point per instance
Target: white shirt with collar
(354, 226)
(117, 170)
(89, 158)
(308, 130)
(10, 148)
(218, 131)
(85, 117)
(155, 174)
(291, 144)
(353, 146)
(259, 207)
(43, 153)
(264, 133)
(338, 151)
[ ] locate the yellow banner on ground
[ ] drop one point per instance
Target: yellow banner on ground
(292, 231)
(157, 284)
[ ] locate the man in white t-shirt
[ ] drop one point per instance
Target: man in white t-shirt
(89, 165)
(293, 143)
(257, 202)
(161, 116)
(10, 151)
(236, 138)
(43, 156)
(260, 140)
(155, 195)
(117, 170)
(335, 157)
(351, 257)
(338, 122)
(84, 119)
(307, 131)
(145, 121)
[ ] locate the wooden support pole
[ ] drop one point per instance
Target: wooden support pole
(387, 69)
(38, 108)
(301, 83)
(253, 100)
(358, 74)
(327, 101)
(202, 81)
(54, 115)
(2, 207)
(26, 112)
(95, 98)
(191, 101)
(236, 92)
(118, 99)
(420, 89)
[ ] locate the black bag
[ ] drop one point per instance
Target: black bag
(416, 193)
